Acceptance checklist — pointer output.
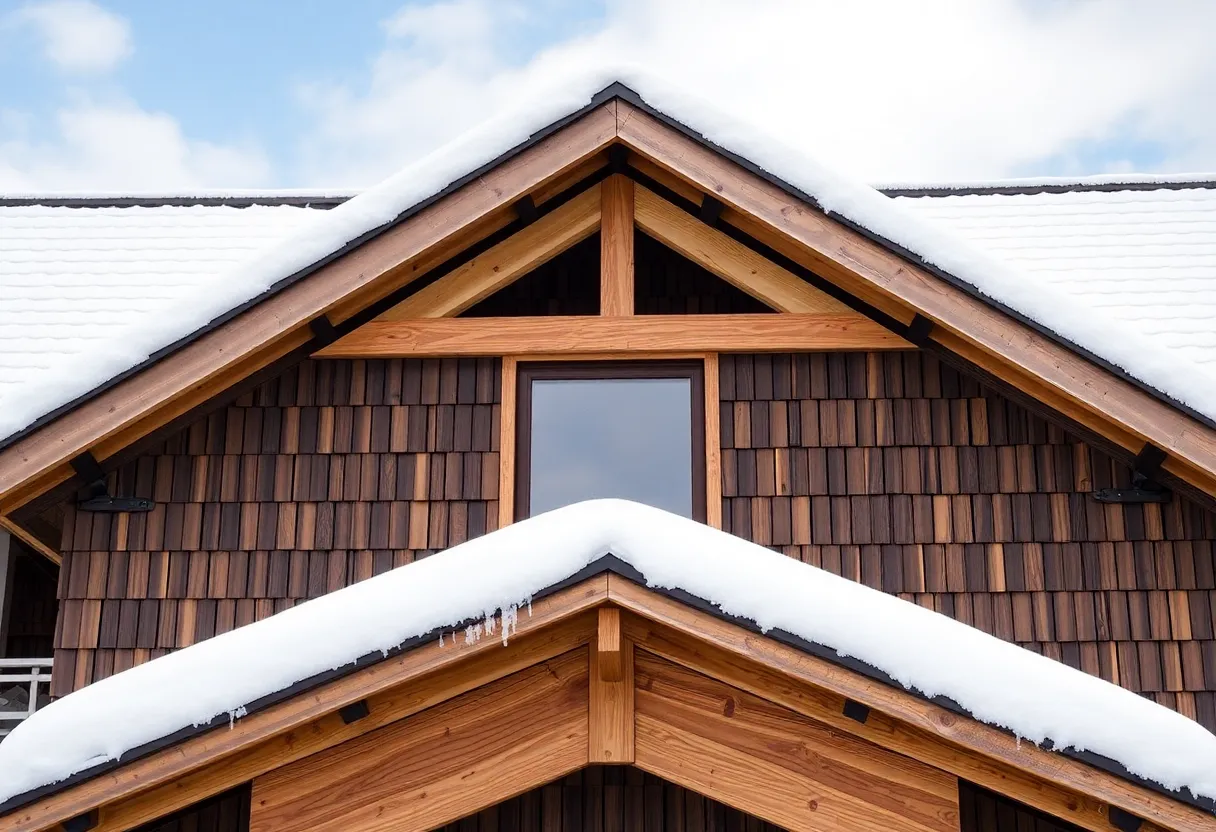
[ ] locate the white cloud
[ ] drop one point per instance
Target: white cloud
(118, 147)
(78, 35)
(883, 89)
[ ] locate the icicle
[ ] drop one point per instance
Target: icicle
(472, 633)
(489, 625)
(510, 621)
(441, 638)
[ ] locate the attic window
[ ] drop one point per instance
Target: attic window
(622, 429)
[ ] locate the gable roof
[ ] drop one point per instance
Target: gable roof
(484, 588)
(890, 260)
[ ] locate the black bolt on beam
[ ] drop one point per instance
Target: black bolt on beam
(323, 330)
(525, 209)
(618, 158)
(1124, 821)
(354, 712)
(856, 711)
(81, 823)
(919, 329)
(1148, 461)
(711, 210)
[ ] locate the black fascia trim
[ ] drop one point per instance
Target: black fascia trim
(630, 97)
(1014, 189)
(597, 100)
(321, 202)
(607, 563)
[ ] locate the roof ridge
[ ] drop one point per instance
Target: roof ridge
(1103, 183)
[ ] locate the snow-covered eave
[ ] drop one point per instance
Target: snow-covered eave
(1103, 182)
(605, 564)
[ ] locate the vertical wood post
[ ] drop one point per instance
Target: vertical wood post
(713, 444)
(616, 246)
(506, 444)
(610, 706)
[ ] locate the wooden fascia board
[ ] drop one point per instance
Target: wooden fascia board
(729, 259)
(175, 777)
(569, 335)
(279, 324)
(899, 721)
(501, 265)
(902, 289)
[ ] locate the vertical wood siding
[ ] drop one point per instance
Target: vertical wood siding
(327, 475)
(895, 470)
(227, 812)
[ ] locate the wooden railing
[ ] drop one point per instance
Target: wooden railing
(25, 686)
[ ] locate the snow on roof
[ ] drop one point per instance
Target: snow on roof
(492, 579)
(1145, 259)
(1113, 325)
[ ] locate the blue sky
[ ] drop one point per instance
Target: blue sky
(148, 94)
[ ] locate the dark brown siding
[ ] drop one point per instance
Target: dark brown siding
(610, 798)
(895, 470)
(227, 812)
(667, 283)
(983, 811)
(329, 474)
(569, 284)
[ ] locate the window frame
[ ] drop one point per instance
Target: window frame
(529, 371)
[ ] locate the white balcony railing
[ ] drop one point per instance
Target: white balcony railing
(25, 686)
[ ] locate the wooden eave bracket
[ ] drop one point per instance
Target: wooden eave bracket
(611, 697)
(29, 539)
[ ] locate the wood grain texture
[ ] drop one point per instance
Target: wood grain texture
(897, 471)
(610, 706)
(502, 264)
(713, 442)
(278, 325)
(899, 722)
(616, 247)
(506, 442)
(777, 764)
(471, 752)
(26, 537)
(640, 334)
(730, 260)
(164, 782)
(901, 289)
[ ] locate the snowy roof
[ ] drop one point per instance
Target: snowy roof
(492, 579)
(1122, 275)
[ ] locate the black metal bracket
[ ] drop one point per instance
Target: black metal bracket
(525, 209)
(96, 494)
(354, 712)
(1148, 462)
(81, 823)
(1144, 488)
(711, 210)
(323, 331)
(618, 159)
(1122, 820)
(856, 711)
(919, 330)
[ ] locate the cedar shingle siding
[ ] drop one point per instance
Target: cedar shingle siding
(331, 473)
(895, 470)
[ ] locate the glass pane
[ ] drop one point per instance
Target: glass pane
(610, 437)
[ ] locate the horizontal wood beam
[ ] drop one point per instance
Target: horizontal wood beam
(558, 335)
(453, 760)
(1050, 782)
(503, 264)
(729, 259)
(162, 783)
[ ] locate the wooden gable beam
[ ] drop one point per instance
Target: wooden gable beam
(29, 539)
(777, 764)
(966, 326)
(279, 325)
(479, 749)
(616, 248)
(568, 335)
(611, 736)
(897, 721)
(731, 260)
(535, 245)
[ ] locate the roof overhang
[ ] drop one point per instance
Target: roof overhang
(673, 626)
(373, 272)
